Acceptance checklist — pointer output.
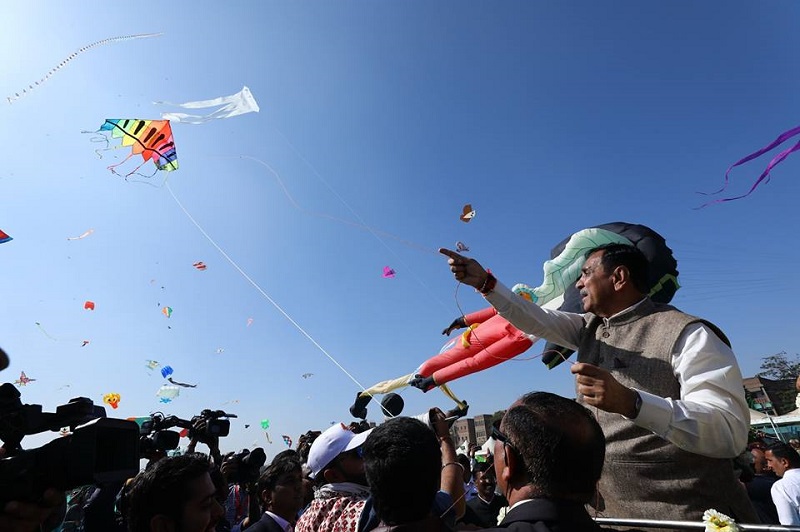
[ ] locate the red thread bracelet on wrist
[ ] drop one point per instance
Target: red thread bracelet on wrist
(488, 284)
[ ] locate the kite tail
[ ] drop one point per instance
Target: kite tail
(764, 177)
(391, 385)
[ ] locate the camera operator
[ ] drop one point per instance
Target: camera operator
(241, 472)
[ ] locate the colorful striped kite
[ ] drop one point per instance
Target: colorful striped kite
(152, 139)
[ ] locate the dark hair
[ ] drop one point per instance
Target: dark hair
(481, 467)
(288, 453)
(162, 489)
(785, 451)
(560, 442)
(629, 256)
(279, 467)
(403, 463)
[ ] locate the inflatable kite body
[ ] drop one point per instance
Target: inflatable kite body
(489, 340)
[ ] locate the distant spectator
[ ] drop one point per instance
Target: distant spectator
(280, 490)
(785, 462)
(483, 509)
(758, 489)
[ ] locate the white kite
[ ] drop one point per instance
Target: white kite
(236, 104)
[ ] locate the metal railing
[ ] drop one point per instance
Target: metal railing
(685, 525)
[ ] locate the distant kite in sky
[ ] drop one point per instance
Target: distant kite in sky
(166, 311)
(307, 375)
(265, 424)
(112, 399)
(764, 177)
(461, 247)
(166, 371)
(388, 273)
(151, 364)
(84, 235)
(220, 350)
(4, 237)
(89, 305)
(152, 139)
(181, 384)
(249, 321)
(45, 332)
(467, 214)
(236, 104)
(23, 92)
(84, 343)
(167, 393)
(200, 265)
(287, 440)
(23, 380)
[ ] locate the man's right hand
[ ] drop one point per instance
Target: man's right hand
(465, 270)
(458, 323)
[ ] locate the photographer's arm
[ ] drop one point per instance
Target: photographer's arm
(452, 476)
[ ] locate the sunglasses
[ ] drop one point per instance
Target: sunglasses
(502, 438)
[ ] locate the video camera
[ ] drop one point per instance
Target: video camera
(155, 435)
(248, 466)
(98, 450)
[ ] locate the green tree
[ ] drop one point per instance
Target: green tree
(779, 366)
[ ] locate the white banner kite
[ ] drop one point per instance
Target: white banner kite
(236, 104)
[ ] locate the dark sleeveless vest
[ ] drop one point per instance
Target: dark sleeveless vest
(645, 476)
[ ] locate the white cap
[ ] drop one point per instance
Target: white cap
(336, 440)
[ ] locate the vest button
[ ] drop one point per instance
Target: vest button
(606, 334)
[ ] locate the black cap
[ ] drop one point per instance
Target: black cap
(3, 360)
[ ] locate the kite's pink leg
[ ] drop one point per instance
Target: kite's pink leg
(498, 352)
(487, 334)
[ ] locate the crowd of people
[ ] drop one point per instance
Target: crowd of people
(659, 419)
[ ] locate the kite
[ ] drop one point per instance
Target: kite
(4, 237)
(490, 339)
(18, 95)
(388, 273)
(247, 426)
(182, 384)
(84, 343)
(167, 393)
(112, 399)
(23, 380)
(764, 177)
(200, 265)
(461, 247)
(287, 440)
(234, 105)
(89, 305)
(307, 375)
(467, 214)
(265, 424)
(152, 139)
(220, 350)
(166, 311)
(151, 364)
(45, 332)
(166, 371)
(249, 321)
(84, 235)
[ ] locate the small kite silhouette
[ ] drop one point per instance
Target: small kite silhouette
(388, 273)
(467, 214)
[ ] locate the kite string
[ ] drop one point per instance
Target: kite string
(260, 290)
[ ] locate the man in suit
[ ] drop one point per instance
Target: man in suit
(548, 456)
(280, 490)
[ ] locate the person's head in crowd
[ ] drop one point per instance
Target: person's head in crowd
(287, 453)
(177, 493)
(308, 485)
(280, 488)
(485, 480)
(794, 442)
(466, 463)
(548, 446)
(760, 465)
(335, 456)
(403, 462)
(304, 443)
(781, 457)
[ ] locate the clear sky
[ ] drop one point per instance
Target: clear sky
(381, 120)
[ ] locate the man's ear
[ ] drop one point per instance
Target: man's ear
(161, 523)
(512, 463)
(332, 475)
(620, 276)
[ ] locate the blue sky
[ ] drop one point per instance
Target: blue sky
(382, 120)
